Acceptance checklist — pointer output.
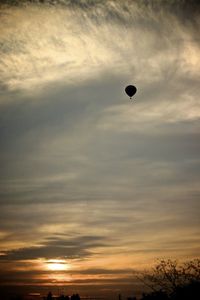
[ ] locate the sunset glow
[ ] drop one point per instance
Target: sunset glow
(57, 265)
(95, 187)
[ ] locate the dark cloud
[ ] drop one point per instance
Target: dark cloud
(78, 247)
(107, 271)
(28, 129)
(7, 276)
(176, 4)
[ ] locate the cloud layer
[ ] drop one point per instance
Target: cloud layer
(86, 174)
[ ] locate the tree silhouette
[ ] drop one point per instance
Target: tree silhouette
(170, 280)
(49, 296)
(159, 295)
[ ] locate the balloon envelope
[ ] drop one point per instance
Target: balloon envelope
(130, 90)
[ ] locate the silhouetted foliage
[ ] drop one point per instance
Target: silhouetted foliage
(49, 296)
(170, 280)
(189, 291)
(75, 297)
(131, 298)
(17, 297)
(159, 295)
(63, 297)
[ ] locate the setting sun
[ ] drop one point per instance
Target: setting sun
(57, 265)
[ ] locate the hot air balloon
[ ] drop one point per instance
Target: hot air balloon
(130, 90)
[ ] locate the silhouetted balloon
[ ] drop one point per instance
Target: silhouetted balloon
(130, 90)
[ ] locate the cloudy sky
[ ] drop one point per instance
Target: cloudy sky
(95, 187)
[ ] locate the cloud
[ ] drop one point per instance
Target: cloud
(74, 58)
(90, 174)
(78, 247)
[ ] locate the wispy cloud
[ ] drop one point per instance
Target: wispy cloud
(114, 182)
(57, 248)
(43, 43)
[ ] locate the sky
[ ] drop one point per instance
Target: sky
(94, 187)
